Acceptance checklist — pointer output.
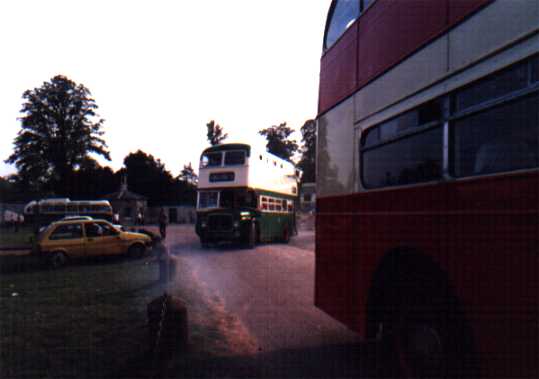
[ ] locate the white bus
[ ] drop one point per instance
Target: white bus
(45, 211)
(245, 196)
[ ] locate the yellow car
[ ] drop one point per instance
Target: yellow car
(76, 238)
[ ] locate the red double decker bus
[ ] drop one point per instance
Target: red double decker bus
(427, 228)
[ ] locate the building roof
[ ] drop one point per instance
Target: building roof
(123, 194)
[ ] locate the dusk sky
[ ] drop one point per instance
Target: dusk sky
(160, 70)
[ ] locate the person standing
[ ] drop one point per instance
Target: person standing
(163, 221)
(139, 217)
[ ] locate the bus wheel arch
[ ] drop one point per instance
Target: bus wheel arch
(417, 320)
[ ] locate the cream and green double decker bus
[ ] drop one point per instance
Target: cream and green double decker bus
(245, 196)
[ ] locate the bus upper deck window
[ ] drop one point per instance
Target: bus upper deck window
(210, 160)
(234, 158)
(343, 14)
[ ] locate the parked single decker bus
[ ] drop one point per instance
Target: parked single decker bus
(43, 212)
(427, 223)
(245, 196)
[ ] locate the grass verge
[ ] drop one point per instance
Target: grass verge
(84, 321)
(10, 238)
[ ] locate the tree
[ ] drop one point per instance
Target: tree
(215, 133)
(278, 142)
(59, 129)
(147, 176)
(91, 180)
(188, 174)
(307, 163)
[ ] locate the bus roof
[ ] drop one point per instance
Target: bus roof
(228, 146)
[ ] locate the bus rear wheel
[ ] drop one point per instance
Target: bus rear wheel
(425, 340)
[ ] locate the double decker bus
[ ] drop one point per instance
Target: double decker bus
(245, 196)
(427, 223)
(43, 212)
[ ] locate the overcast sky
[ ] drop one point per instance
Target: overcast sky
(160, 70)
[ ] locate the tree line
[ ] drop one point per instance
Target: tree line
(61, 130)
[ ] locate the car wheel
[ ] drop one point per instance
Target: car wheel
(136, 251)
(57, 259)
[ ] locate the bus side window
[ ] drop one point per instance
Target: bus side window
(343, 15)
(290, 206)
(484, 144)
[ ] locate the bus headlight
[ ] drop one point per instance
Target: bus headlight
(236, 224)
(203, 224)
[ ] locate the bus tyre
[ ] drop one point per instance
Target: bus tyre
(57, 259)
(425, 341)
(251, 236)
(136, 251)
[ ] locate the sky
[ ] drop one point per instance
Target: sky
(160, 70)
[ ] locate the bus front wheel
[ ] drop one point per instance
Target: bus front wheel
(251, 236)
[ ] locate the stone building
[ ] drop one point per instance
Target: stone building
(126, 203)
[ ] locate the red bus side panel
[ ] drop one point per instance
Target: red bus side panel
(484, 233)
(459, 9)
(391, 30)
(338, 70)
(385, 34)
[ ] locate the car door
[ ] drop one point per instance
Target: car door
(100, 240)
(67, 238)
(113, 241)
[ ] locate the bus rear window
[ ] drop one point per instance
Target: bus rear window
(234, 158)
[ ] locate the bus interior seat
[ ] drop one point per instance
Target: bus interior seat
(504, 155)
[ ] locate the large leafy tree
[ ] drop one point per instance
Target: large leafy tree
(59, 129)
(279, 142)
(148, 176)
(215, 133)
(307, 163)
(91, 180)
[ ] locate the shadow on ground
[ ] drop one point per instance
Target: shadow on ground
(330, 361)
